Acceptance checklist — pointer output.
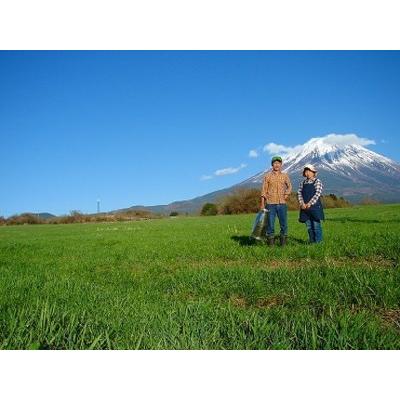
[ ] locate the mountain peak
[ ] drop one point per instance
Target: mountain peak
(327, 153)
(322, 146)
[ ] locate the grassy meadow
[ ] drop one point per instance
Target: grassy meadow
(200, 283)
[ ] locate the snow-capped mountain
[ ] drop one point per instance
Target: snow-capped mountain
(352, 171)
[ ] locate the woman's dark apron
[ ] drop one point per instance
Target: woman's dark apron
(316, 211)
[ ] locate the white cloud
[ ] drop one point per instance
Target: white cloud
(253, 153)
(347, 139)
(223, 172)
(229, 170)
(273, 148)
(327, 140)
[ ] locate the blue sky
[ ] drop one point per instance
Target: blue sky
(153, 127)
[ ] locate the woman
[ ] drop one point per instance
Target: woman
(309, 197)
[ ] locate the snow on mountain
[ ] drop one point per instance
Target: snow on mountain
(350, 170)
(335, 157)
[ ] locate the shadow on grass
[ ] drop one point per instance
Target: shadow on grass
(245, 240)
(249, 241)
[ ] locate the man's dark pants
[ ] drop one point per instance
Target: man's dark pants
(275, 210)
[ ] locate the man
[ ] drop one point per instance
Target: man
(275, 191)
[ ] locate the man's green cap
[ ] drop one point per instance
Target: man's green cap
(276, 158)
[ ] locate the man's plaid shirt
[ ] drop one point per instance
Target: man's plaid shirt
(318, 191)
(276, 185)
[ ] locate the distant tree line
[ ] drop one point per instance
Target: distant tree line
(245, 201)
(77, 217)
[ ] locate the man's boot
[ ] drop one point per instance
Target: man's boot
(283, 240)
(270, 240)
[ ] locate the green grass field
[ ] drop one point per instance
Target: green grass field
(200, 283)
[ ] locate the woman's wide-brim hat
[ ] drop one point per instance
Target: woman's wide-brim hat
(310, 167)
